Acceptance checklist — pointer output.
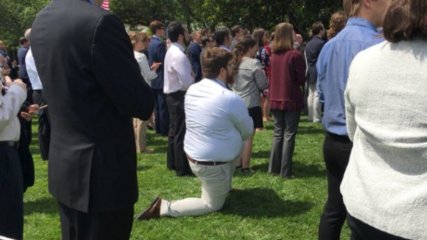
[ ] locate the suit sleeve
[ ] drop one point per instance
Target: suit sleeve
(299, 68)
(160, 52)
(117, 71)
(321, 74)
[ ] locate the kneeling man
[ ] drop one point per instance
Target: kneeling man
(217, 123)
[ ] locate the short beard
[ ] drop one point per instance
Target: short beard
(229, 79)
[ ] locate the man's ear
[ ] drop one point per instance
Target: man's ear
(366, 3)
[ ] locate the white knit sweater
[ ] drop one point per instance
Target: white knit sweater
(385, 184)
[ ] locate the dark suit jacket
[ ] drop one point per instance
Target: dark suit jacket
(156, 53)
(194, 51)
(22, 73)
(93, 86)
(312, 51)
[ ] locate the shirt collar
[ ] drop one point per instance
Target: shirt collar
(225, 47)
(218, 81)
(179, 46)
(363, 22)
(155, 36)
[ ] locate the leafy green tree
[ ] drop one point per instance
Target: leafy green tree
(136, 12)
(16, 17)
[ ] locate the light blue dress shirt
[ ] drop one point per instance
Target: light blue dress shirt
(333, 65)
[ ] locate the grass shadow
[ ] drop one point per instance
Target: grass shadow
(304, 130)
(301, 170)
(158, 143)
(261, 154)
(46, 205)
(144, 167)
(262, 203)
(34, 149)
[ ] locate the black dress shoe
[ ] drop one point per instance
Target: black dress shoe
(151, 212)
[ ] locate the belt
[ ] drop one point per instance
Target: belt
(206, 163)
(9, 143)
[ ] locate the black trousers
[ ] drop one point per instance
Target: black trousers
(25, 156)
(11, 193)
(44, 125)
(161, 112)
(176, 158)
(113, 225)
(336, 152)
(363, 231)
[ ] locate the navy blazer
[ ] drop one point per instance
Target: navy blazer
(312, 51)
(194, 51)
(94, 87)
(156, 53)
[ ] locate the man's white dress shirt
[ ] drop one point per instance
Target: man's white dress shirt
(33, 75)
(178, 73)
(217, 122)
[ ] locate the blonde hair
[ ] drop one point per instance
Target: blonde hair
(351, 7)
(283, 37)
(137, 36)
(336, 24)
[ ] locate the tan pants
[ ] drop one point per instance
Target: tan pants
(216, 184)
(140, 129)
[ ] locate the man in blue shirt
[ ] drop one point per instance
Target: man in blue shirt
(361, 32)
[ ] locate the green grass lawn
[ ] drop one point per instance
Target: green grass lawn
(266, 207)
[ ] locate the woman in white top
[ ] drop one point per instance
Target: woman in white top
(140, 42)
(385, 184)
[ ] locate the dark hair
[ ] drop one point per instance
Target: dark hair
(336, 24)
(156, 25)
(205, 31)
(317, 27)
(22, 40)
(213, 59)
(258, 35)
(235, 29)
(406, 20)
(174, 30)
(205, 41)
(242, 48)
(220, 35)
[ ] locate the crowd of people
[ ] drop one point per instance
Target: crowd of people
(208, 93)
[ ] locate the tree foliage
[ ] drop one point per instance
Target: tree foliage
(16, 16)
(211, 13)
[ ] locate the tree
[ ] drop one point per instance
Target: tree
(136, 12)
(16, 17)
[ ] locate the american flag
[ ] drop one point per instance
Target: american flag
(106, 5)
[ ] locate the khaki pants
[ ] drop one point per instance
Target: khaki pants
(313, 104)
(216, 184)
(140, 129)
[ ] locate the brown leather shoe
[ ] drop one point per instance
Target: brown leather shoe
(152, 212)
